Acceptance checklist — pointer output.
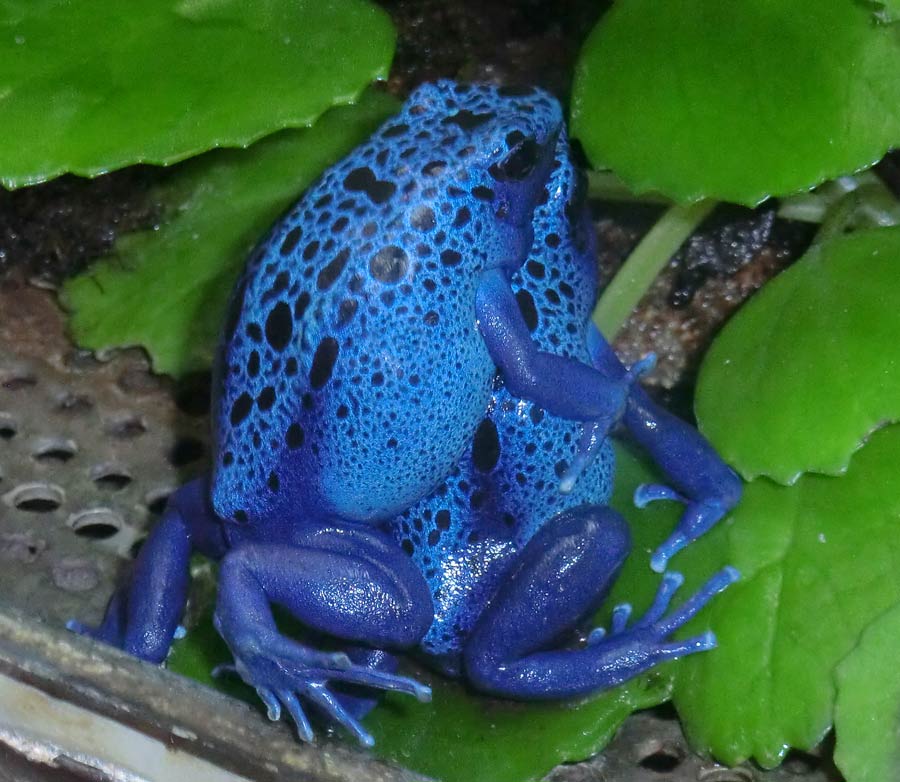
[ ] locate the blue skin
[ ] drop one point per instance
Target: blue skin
(411, 433)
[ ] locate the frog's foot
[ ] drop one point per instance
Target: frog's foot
(349, 582)
(698, 517)
(284, 673)
(655, 626)
(111, 629)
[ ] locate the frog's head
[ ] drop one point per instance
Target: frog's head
(493, 146)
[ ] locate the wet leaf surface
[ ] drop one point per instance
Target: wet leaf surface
(867, 711)
(804, 372)
(818, 561)
(90, 87)
(737, 101)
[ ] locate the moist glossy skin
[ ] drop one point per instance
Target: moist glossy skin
(407, 381)
(354, 329)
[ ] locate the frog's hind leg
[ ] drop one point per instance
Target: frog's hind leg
(560, 578)
(359, 701)
(143, 616)
(707, 486)
(345, 580)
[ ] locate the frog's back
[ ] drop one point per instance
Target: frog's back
(352, 373)
(506, 485)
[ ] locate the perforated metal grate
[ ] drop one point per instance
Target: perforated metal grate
(89, 452)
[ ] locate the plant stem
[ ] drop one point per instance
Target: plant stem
(645, 262)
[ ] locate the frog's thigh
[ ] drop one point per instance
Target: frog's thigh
(561, 576)
(352, 586)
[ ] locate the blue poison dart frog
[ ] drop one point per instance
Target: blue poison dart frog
(410, 424)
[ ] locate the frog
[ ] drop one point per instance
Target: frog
(411, 422)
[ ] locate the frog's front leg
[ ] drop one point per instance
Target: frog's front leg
(561, 577)
(707, 486)
(142, 617)
(563, 386)
(345, 580)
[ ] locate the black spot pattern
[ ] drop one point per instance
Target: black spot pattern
(333, 270)
(294, 436)
(241, 409)
(486, 446)
(389, 264)
(468, 120)
(363, 180)
(279, 326)
(323, 362)
(291, 239)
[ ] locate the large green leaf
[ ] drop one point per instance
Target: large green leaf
(167, 289)
(460, 736)
(737, 100)
(809, 366)
(867, 711)
(92, 86)
(819, 563)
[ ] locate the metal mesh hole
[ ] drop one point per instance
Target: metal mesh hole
(96, 524)
(74, 404)
(18, 381)
(110, 477)
(660, 757)
(156, 501)
(126, 428)
(8, 427)
(54, 449)
(36, 497)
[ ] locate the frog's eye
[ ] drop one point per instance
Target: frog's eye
(519, 163)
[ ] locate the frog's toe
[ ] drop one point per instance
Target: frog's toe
(299, 675)
(668, 586)
(620, 616)
(319, 694)
(664, 626)
(301, 722)
(640, 368)
(368, 677)
(675, 649)
(653, 492)
(273, 702)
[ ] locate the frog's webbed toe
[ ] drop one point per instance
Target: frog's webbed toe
(284, 678)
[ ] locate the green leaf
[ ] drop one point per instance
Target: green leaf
(803, 373)
(93, 86)
(819, 562)
(167, 289)
(867, 711)
(462, 736)
(737, 101)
